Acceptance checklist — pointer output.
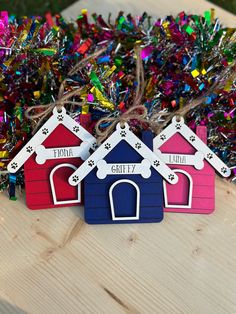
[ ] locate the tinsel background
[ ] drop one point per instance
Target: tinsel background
(183, 57)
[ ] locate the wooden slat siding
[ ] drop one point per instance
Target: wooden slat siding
(196, 203)
(147, 214)
(190, 211)
(97, 204)
(40, 187)
(37, 176)
(91, 179)
(122, 153)
(143, 221)
(207, 169)
(45, 199)
(146, 188)
(37, 187)
(37, 182)
(97, 201)
(203, 191)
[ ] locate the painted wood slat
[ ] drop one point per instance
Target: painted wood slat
(42, 172)
(143, 221)
(206, 171)
(198, 190)
(39, 186)
(204, 191)
(191, 211)
(208, 203)
(97, 201)
(36, 187)
(100, 215)
(196, 203)
(43, 200)
(145, 187)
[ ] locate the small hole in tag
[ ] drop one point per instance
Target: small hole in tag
(59, 110)
(122, 125)
(178, 118)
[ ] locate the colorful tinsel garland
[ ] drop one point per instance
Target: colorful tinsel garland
(183, 57)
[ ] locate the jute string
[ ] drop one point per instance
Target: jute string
(42, 111)
(136, 111)
(228, 74)
(140, 113)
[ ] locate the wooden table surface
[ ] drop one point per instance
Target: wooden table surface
(53, 262)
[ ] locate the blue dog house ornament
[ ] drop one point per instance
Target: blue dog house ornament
(123, 180)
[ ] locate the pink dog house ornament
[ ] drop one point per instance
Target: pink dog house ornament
(187, 154)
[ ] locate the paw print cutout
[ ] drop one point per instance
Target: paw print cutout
(192, 138)
(171, 177)
(163, 137)
(75, 178)
(14, 165)
(138, 145)
(223, 170)
(91, 163)
(123, 134)
(94, 146)
(60, 117)
(156, 163)
(45, 131)
(209, 155)
(76, 129)
(107, 146)
(29, 149)
(178, 126)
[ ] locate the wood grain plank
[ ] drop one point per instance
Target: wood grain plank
(52, 261)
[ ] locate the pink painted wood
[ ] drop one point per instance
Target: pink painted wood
(203, 192)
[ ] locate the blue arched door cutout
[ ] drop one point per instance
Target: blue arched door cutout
(124, 198)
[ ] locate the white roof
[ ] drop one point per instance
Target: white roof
(178, 126)
(122, 133)
(56, 119)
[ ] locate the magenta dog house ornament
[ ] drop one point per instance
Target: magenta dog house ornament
(187, 154)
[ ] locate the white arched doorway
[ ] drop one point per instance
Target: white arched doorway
(64, 188)
(179, 195)
(116, 210)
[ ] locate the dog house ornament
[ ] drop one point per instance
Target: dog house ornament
(49, 158)
(123, 180)
(187, 154)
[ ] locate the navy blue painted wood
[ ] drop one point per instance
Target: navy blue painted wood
(124, 199)
(147, 138)
(126, 192)
(145, 187)
(148, 214)
(97, 203)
